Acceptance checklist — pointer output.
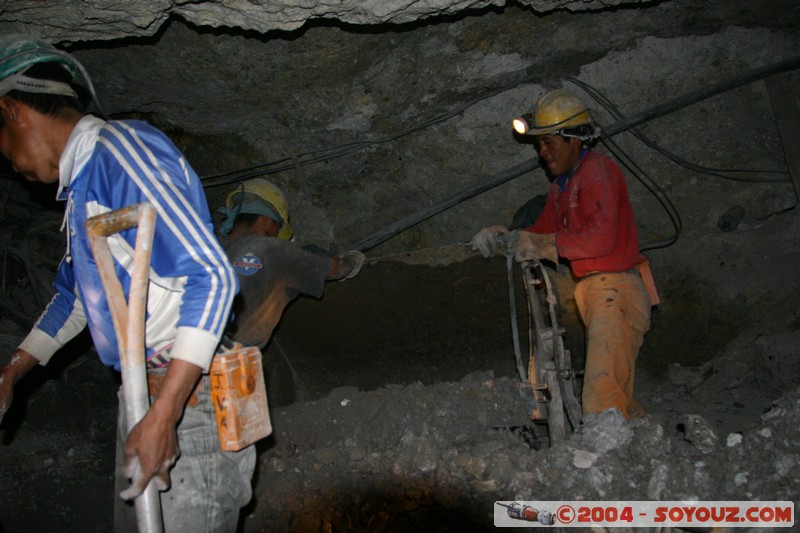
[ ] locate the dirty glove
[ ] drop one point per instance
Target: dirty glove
(534, 246)
(486, 240)
(349, 265)
(352, 261)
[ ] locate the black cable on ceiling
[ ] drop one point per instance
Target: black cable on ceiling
(718, 172)
(616, 128)
(334, 152)
(312, 157)
(634, 169)
(655, 189)
(318, 156)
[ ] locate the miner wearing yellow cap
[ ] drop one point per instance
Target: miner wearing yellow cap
(587, 220)
(272, 270)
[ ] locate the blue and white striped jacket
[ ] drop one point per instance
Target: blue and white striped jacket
(110, 165)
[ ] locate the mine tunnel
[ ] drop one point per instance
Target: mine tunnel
(396, 399)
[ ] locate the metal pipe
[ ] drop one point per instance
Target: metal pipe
(128, 319)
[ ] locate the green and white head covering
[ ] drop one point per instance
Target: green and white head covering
(19, 52)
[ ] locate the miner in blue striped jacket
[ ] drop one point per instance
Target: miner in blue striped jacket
(101, 166)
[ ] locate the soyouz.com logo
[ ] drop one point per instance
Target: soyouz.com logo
(644, 514)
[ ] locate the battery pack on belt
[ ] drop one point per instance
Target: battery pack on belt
(240, 397)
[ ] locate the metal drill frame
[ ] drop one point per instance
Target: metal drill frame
(549, 370)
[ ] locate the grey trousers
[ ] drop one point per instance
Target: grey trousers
(208, 486)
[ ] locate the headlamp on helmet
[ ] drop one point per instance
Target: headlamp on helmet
(523, 124)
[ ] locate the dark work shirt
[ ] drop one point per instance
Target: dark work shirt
(271, 273)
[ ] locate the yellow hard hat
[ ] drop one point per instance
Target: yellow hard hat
(267, 191)
(556, 111)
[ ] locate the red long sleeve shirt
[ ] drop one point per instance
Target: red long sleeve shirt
(592, 218)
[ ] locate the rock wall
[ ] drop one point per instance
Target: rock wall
(367, 125)
(364, 127)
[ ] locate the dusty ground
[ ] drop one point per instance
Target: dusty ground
(395, 407)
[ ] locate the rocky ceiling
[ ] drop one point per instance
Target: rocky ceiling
(98, 20)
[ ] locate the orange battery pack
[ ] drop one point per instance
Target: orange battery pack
(649, 282)
(240, 397)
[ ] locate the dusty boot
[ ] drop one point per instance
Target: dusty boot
(636, 410)
(347, 265)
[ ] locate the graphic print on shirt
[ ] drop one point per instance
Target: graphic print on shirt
(247, 264)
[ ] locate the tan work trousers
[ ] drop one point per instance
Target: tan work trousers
(615, 309)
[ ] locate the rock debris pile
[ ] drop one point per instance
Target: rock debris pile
(436, 458)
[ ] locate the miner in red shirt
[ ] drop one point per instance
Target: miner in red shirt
(588, 220)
